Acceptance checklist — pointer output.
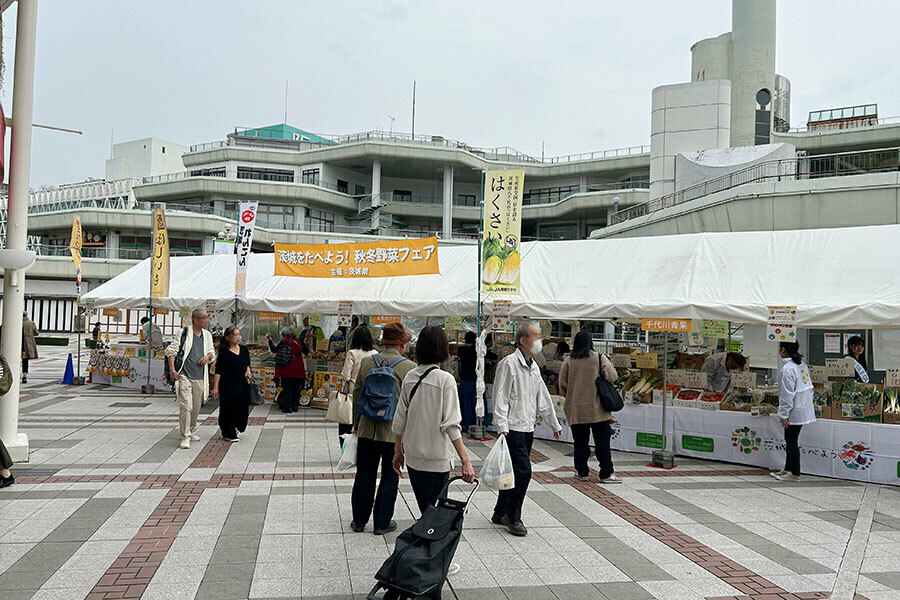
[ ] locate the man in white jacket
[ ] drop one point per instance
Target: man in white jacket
(191, 377)
(519, 397)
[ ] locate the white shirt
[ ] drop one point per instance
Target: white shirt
(520, 395)
(718, 377)
(795, 394)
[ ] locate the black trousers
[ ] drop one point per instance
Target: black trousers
(233, 414)
(582, 434)
(5, 460)
(509, 502)
(427, 486)
(369, 456)
(343, 429)
(792, 449)
(24, 366)
(289, 399)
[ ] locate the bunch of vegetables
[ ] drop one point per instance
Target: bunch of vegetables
(852, 392)
(624, 377)
(645, 384)
(501, 262)
(892, 400)
(739, 399)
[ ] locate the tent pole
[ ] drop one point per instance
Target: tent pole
(478, 260)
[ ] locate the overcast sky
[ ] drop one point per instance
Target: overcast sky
(575, 75)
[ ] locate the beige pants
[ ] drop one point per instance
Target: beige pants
(190, 395)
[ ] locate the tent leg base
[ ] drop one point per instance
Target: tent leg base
(147, 389)
(664, 459)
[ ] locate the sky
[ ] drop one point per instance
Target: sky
(574, 76)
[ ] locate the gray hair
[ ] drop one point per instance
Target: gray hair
(524, 330)
(285, 331)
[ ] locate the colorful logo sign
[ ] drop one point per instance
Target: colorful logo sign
(247, 216)
(745, 440)
(856, 456)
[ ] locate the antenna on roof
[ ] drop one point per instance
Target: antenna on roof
(285, 100)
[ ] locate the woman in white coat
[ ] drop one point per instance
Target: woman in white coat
(795, 407)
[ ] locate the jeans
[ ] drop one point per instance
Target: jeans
(509, 502)
(369, 455)
(582, 434)
(427, 486)
(792, 449)
(289, 399)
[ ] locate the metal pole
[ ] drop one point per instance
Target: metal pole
(665, 374)
(17, 224)
(148, 387)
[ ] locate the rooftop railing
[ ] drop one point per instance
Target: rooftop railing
(849, 124)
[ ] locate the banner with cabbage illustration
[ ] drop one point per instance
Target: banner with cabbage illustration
(502, 232)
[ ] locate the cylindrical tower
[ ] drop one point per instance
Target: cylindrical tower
(752, 71)
(782, 118)
(711, 58)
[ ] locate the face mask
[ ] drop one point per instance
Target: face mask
(537, 346)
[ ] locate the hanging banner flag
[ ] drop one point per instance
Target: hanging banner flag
(159, 265)
(75, 249)
(502, 232)
(246, 223)
(388, 258)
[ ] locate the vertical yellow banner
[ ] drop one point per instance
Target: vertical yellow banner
(502, 232)
(75, 250)
(159, 265)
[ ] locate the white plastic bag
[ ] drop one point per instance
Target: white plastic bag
(497, 470)
(348, 452)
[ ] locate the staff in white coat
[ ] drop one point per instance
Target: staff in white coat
(795, 407)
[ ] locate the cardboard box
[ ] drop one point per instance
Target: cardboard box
(658, 397)
(690, 362)
(734, 407)
(823, 411)
(869, 413)
(892, 418)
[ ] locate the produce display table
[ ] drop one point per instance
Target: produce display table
(125, 365)
(852, 450)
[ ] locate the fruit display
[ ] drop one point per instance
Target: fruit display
(712, 397)
(689, 395)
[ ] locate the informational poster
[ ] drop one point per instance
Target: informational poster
(384, 258)
(384, 319)
(184, 312)
(666, 324)
(781, 324)
(223, 246)
(453, 323)
(159, 265)
(500, 315)
(266, 316)
(115, 313)
(502, 232)
(846, 346)
(345, 312)
(160, 311)
(345, 320)
(832, 343)
(714, 329)
(246, 224)
(210, 306)
(315, 319)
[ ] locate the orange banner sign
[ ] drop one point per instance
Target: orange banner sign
(385, 319)
(666, 324)
(265, 316)
(392, 258)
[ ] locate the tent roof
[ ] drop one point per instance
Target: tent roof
(847, 277)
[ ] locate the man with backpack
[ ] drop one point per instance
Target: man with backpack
(376, 391)
(188, 358)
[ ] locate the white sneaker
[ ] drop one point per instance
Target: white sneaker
(234, 439)
(185, 444)
(777, 474)
(611, 479)
(195, 437)
(454, 569)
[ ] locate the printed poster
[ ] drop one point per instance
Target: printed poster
(781, 324)
(832, 343)
(502, 232)
(384, 258)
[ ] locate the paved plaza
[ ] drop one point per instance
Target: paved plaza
(110, 507)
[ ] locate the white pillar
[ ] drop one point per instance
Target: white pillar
(376, 191)
(448, 202)
(112, 244)
(17, 224)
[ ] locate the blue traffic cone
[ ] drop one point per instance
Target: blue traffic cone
(69, 377)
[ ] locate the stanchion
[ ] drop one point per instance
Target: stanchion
(148, 388)
(78, 378)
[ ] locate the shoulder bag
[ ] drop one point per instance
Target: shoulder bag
(610, 398)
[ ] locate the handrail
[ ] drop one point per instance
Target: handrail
(849, 124)
(790, 169)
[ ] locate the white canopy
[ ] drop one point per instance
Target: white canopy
(847, 277)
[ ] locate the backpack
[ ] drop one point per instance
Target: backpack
(284, 354)
(179, 360)
(378, 398)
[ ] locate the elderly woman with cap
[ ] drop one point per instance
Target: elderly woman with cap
(376, 440)
(291, 375)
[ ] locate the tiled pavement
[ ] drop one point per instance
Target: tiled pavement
(109, 507)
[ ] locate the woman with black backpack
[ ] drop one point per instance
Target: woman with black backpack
(584, 408)
(289, 368)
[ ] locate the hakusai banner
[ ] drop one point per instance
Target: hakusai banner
(246, 223)
(502, 232)
(367, 259)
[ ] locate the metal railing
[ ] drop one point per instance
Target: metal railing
(798, 168)
(497, 154)
(850, 124)
(123, 253)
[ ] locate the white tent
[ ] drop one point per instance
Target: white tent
(847, 277)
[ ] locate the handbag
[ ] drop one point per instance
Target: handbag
(257, 397)
(610, 398)
(340, 408)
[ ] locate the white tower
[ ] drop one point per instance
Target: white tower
(752, 71)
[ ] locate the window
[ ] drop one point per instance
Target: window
(402, 196)
(310, 176)
(547, 195)
(214, 172)
(164, 149)
(265, 174)
(560, 232)
(342, 186)
(763, 127)
(359, 190)
(466, 200)
(275, 216)
(319, 220)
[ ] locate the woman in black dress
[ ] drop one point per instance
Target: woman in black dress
(233, 373)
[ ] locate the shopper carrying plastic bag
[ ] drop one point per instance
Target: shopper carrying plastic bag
(348, 453)
(497, 470)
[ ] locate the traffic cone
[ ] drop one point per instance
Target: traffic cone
(69, 377)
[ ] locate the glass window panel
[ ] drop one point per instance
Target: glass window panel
(870, 110)
(859, 111)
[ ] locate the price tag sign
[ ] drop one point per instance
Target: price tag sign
(743, 379)
(345, 307)
(892, 377)
(620, 361)
(322, 344)
(453, 323)
(677, 377)
(839, 367)
(714, 329)
(647, 360)
(315, 319)
(184, 312)
(696, 379)
(818, 374)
